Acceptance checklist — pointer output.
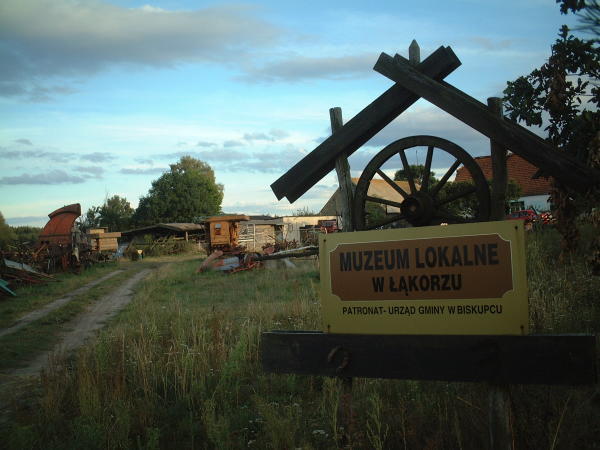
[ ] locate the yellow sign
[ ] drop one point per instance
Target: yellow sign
(456, 279)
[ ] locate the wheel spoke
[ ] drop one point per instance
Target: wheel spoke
(391, 219)
(425, 181)
(392, 183)
(408, 172)
(445, 178)
(456, 196)
(383, 201)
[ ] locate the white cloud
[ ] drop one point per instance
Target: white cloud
(40, 39)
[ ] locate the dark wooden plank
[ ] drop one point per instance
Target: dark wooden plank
(469, 110)
(358, 130)
(555, 359)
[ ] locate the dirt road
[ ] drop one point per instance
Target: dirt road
(84, 326)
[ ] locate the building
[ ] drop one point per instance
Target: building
(534, 191)
(377, 188)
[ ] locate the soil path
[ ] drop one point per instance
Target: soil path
(38, 313)
(84, 326)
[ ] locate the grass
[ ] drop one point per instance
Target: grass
(32, 297)
(179, 368)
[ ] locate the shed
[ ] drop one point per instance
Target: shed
(260, 231)
(180, 230)
(223, 230)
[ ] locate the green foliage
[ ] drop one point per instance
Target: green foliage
(116, 214)
(417, 171)
(91, 219)
(184, 194)
(6, 233)
(25, 234)
(555, 94)
(374, 213)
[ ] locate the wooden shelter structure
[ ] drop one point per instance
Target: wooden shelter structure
(223, 231)
(423, 205)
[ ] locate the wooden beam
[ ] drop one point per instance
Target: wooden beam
(358, 130)
(342, 168)
(555, 359)
(467, 109)
(499, 170)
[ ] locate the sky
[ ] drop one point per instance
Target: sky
(98, 97)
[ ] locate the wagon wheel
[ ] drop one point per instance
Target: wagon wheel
(424, 204)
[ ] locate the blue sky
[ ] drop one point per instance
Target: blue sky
(97, 98)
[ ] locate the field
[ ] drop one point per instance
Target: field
(180, 368)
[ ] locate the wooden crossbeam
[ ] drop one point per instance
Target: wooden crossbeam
(358, 130)
(552, 359)
(477, 115)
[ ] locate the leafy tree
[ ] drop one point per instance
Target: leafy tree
(184, 194)
(116, 213)
(25, 234)
(417, 171)
(557, 90)
(6, 234)
(91, 218)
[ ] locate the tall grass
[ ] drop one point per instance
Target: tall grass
(180, 369)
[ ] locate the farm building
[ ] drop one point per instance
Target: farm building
(186, 231)
(259, 232)
(534, 191)
(377, 188)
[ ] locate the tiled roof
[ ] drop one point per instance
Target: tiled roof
(519, 170)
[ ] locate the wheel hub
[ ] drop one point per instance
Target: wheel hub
(418, 209)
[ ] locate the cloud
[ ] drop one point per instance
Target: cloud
(257, 137)
(489, 44)
(278, 134)
(306, 67)
(55, 157)
(50, 177)
(272, 136)
(35, 221)
(42, 40)
(23, 141)
(148, 162)
(231, 143)
(91, 171)
(98, 157)
(142, 171)
(232, 160)
(205, 144)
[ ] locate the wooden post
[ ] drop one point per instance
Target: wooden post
(342, 169)
(499, 170)
(500, 429)
(414, 53)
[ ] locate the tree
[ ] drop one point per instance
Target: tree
(116, 213)
(557, 90)
(6, 234)
(91, 218)
(417, 171)
(184, 194)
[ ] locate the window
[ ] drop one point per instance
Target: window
(217, 229)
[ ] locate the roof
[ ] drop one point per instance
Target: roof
(227, 217)
(176, 227)
(377, 188)
(519, 170)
